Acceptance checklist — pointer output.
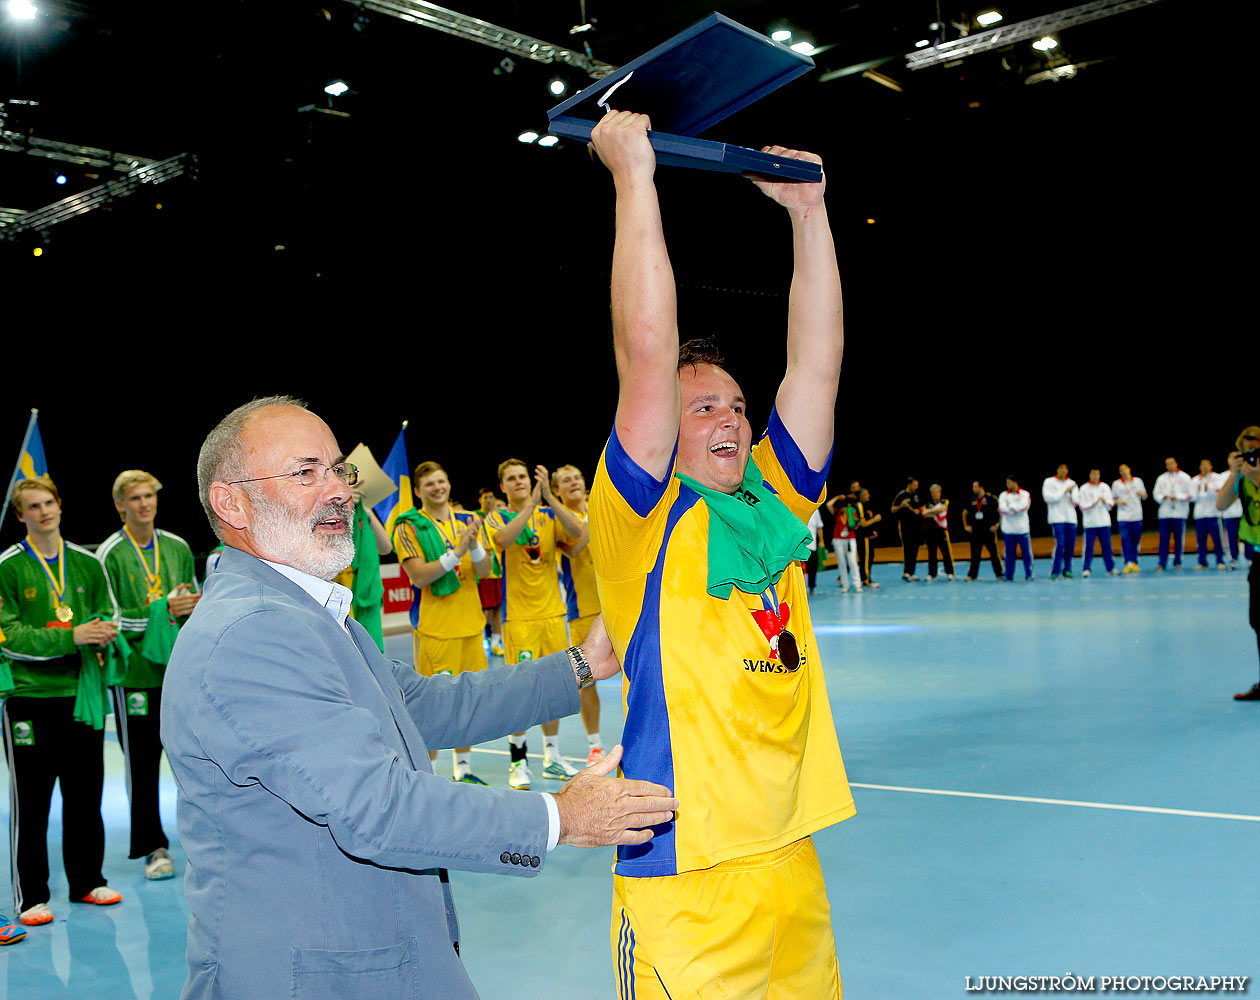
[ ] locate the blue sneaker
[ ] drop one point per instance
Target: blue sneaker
(10, 932)
(471, 779)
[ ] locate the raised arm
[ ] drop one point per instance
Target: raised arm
(806, 401)
(644, 299)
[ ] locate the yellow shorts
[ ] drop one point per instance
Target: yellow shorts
(530, 640)
(452, 656)
(579, 627)
(754, 928)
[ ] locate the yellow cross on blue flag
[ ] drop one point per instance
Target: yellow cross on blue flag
(395, 466)
(31, 462)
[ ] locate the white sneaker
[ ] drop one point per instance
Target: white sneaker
(844, 590)
(158, 865)
(1221, 565)
(519, 776)
(559, 769)
(1085, 572)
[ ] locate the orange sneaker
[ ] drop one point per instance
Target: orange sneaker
(596, 754)
(36, 915)
(102, 895)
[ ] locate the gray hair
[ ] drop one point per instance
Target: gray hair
(222, 456)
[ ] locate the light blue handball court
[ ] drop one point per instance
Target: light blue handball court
(1050, 778)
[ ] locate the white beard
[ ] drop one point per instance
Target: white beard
(287, 539)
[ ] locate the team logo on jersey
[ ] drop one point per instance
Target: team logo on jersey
(30, 593)
(524, 654)
(23, 734)
(137, 703)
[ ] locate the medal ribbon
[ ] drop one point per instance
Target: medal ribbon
(154, 579)
(450, 543)
(61, 568)
(771, 620)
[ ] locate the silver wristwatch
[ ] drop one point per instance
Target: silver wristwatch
(581, 667)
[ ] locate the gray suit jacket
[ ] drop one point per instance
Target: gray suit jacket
(313, 823)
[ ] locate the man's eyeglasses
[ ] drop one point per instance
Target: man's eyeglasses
(313, 475)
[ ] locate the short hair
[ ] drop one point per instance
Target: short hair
(422, 470)
(1011, 477)
(484, 490)
(911, 479)
(700, 351)
(33, 483)
(133, 477)
(507, 463)
(935, 486)
(555, 481)
(222, 456)
(1252, 432)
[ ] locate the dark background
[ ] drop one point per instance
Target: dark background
(1053, 272)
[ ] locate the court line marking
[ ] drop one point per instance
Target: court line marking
(1060, 802)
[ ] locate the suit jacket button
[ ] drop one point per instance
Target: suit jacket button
(516, 859)
(534, 862)
(505, 858)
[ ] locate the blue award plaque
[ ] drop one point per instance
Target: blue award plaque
(685, 85)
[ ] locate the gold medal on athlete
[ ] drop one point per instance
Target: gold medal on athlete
(58, 583)
(153, 580)
(155, 594)
(64, 612)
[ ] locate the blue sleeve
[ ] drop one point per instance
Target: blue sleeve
(806, 481)
(639, 489)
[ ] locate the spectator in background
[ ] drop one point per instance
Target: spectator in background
(1244, 483)
(1230, 518)
(907, 508)
(1013, 506)
(1172, 492)
(1059, 493)
(815, 527)
(936, 530)
(1205, 488)
(490, 588)
(866, 535)
(1095, 502)
(980, 521)
(844, 544)
(1128, 492)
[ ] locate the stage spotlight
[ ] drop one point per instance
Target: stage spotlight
(922, 43)
(38, 251)
(548, 140)
(337, 88)
(781, 35)
(557, 86)
(529, 135)
(1046, 43)
(59, 179)
(987, 18)
(804, 48)
(22, 10)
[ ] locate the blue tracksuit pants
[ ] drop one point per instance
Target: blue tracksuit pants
(1174, 528)
(1064, 547)
(1130, 539)
(1103, 537)
(1025, 543)
(1205, 528)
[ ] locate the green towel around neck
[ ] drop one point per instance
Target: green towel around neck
(368, 595)
(90, 699)
(432, 544)
(752, 535)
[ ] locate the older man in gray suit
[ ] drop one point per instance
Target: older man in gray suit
(316, 832)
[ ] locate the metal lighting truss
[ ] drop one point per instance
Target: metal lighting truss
(85, 156)
(1020, 31)
(430, 15)
(96, 197)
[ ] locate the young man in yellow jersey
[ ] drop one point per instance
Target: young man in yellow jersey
(491, 587)
(581, 593)
(696, 535)
(524, 535)
(443, 553)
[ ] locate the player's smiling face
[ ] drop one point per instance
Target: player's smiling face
(515, 483)
(434, 488)
(714, 437)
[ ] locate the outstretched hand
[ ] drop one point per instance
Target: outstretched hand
(791, 194)
(597, 810)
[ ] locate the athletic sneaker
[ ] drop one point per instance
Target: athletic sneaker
(519, 776)
(596, 755)
(37, 915)
(471, 779)
(158, 865)
(496, 649)
(10, 933)
(559, 770)
(102, 895)
(1221, 565)
(1085, 573)
(1067, 574)
(1253, 694)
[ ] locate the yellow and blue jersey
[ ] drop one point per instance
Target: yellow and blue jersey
(531, 588)
(577, 576)
(748, 748)
(443, 616)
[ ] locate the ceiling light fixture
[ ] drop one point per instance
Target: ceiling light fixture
(337, 88)
(529, 135)
(804, 48)
(988, 17)
(22, 10)
(1045, 43)
(548, 140)
(781, 35)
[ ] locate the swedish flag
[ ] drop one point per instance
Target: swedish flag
(31, 462)
(395, 466)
